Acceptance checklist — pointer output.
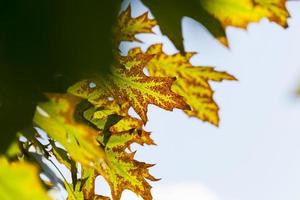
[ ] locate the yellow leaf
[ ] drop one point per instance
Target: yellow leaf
(214, 15)
(111, 107)
(128, 26)
(122, 171)
(126, 124)
(86, 146)
(84, 188)
(241, 13)
(56, 118)
(128, 83)
(88, 183)
(74, 193)
(20, 180)
(192, 82)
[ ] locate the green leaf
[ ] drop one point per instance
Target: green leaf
(215, 15)
(56, 118)
(169, 14)
(45, 47)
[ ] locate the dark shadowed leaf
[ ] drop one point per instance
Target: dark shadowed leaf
(45, 46)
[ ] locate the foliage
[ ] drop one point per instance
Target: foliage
(215, 15)
(14, 176)
(65, 76)
(44, 46)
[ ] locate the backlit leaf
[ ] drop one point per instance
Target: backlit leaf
(85, 145)
(241, 13)
(169, 14)
(215, 15)
(192, 81)
(45, 45)
(128, 83)
(84, 188)
(128, 26)
(122, 171)
(56, 118)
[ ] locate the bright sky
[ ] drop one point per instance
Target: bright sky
(255, 153)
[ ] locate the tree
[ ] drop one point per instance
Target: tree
(61, 71)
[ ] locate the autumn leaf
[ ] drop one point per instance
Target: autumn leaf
(241, 13)
(192, 81)
(56, 118)
(128, 83)
(126, 124)
(122, 171)
(44, 50)
(110, 107)
(99, 116)
(15, 179)
(86, 145)
(88, 183)
(215, 15)
(74, 193)
(128, 26)
(84, 188)
(90, 126)
(169, 14)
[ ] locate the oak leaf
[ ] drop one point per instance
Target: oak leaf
(45, 49)
(84, 188)
(56, 118)
(241, 13)
(192, 82)
(120, 169)
(86, 145)
(123, 171)
(129, 26)
(215, 15)
(128, 83)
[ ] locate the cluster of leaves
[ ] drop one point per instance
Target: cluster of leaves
(89, 128)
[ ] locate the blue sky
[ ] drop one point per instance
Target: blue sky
(255, 153)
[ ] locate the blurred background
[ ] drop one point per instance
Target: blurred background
(255, 152)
